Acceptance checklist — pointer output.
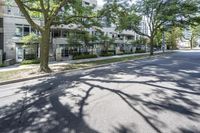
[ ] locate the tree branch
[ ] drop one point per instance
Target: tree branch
(27, 16)
(56, 11)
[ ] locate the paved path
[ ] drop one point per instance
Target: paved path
(149, 96)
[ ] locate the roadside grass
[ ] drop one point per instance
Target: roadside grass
(14, 74)
(114, 60)
(31, 72)
(90, 64)
(100, 62)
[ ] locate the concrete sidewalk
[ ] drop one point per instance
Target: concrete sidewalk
(51, 64)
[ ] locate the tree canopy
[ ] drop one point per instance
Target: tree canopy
(52, 13)
(158, 14)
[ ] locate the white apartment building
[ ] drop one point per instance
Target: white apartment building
(15, 26)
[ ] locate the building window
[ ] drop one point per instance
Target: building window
(19, 30)
(56, 33)
(64, 52)
(26, 30)
(23, 30)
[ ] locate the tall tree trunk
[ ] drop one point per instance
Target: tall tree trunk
(44, 51)
(151, 45)
(191, 43)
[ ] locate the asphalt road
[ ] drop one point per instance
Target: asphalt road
(160, 95)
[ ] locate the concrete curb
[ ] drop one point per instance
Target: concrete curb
(74, 70)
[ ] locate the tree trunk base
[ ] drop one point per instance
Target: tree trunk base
(45, 69)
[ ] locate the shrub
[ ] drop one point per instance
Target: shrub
(79, 53)
(84, 56)
(128, 53)
(140, 51)
(26, 62)
(30, 57)
(2, 65)
(106, 54)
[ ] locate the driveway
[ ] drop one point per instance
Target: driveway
(160, 95)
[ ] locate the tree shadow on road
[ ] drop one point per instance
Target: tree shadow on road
(57, 104)
(43, 112)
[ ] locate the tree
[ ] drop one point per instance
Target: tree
(54, 12)
(106, 41)
(1, 8)
(173, 35)
(30, 42)
(30, 39)
(75, 40)
(86, 38)
(111, 8)
(195, 34)
(157, 14)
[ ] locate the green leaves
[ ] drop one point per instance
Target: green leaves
(158, 14)
(57, 12)
(30, 39)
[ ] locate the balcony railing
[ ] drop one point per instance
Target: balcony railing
(59, 40)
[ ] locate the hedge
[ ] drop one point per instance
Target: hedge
(140, 51)
(84, 56)
(2, 65)
(106, 54)
(26, 62)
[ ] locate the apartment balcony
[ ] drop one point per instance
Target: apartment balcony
(60, 40)
(121, 41)
(129, 41)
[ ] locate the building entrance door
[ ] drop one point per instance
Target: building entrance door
(19, 54)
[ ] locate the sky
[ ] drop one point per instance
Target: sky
(100, 2)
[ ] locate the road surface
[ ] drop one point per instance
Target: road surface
(160, 95)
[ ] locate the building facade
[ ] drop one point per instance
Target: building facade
(13, 26)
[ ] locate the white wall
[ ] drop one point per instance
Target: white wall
(9, 34)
